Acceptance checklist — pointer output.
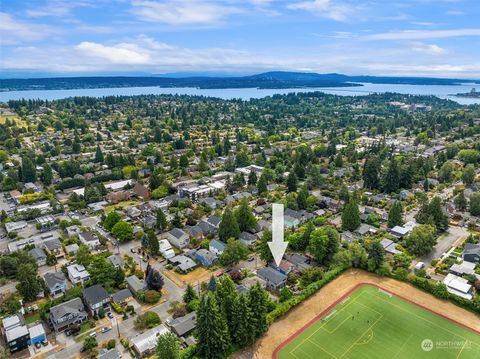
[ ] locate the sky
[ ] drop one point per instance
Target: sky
(434, 38)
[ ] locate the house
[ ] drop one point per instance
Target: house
(122, 297)
(56, 282)
(209, 201)
(349, 237)
(109, 354)
(458, 286)
(45, 222)
(53, 247)
(365, 229)
(285, 267)
(141, 191)
(399, 231)
(214, 221)
(39, 256)
(145, 343)
(389, 246)
(16, 332)
(216, 246)
(71, 249)
(178, 238)
(206, 258)
(183, 263)
(96, 297)
(73, 231)
(299, 261)
(15, 226)
(37, 334)
(116, 260)
(184, 325)
(90, 239)
(166, 249)
(274, 279)
(77, 274)
(196, 231)
(247, 238)
(135, 284)
(67, 314)
(463, 268)
(471, 252)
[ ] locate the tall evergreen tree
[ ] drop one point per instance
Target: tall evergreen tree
(262, 185)
(392, 177)
(99, 158)
(212, 331)
(252, 178)
(161, 222)
(435, 210)
(395, 215)
(47, 175)
(189, 294)
(302, 197)
(226, 294)
(228, 226)
(244, 216)
(376, 254)
(29, 173)
(258, 302)
(350, 215)
(241, 326)
(291, 182)
(461, 201)
(168, 346)
(153, 244)
(371, 169)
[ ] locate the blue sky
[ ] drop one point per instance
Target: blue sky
(436, 38)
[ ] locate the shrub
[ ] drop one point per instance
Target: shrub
(152, 296)
(111, 344)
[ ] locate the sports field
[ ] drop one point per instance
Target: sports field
(371, 323)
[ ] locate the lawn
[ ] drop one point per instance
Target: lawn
(371, 323)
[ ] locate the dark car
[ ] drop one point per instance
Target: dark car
(44, 343)
(251, 259)
(110, 315)
(82, 349)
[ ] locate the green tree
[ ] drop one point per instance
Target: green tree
(226, 294)
(302, 197)
(359, 255)
(103, 272)
(153, 244)
(445, 174)
(252, 178)
(263, 248)
(475, 204)
(189, 294)
(376, 254)
(258, 302)
(234, 252)
(28, 284)
(469, 174)
(241, 325)
(212, 331)
(47, 175)
(461, 202)
(395, 215)
(228, 227)
(421, 240)
(83, 255)
(146, 320)
(29, 173)
(350, 216)
(89, 343)
(392, 177)
(168, 346)
(99, 158)
(439, 217)
(371, 169)
(111, 219)
(292, 182)
(244, 216)
(123, 231)
(161, 220)
(262, 185)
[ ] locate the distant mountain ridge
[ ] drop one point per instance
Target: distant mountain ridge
(266, 80)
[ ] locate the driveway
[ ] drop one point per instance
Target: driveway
(455, 236)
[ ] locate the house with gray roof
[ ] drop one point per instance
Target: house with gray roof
(122, 297)
(90, 239)
(184, 325)
(67, 314)
(56, 282)
(183, 262)
(135, 284)
(54, 247)
(206, 258)
(216, 246)
(145, 343)
(109, 354)
(471, 252)
(96, 297)
(178, 238)
(116, 260)
(39, 256)
(273, 278)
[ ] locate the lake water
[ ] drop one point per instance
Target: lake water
(444, 92)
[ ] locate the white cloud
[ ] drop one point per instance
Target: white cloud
(429, 49)
(324, 8)
(424, 34)
(15, 31)
(176, 12)
(57, 8)
(123, 53)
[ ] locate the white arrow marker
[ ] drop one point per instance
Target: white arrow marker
(277, 245)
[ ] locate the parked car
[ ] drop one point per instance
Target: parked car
(44, 343)
(132, 250)
(251, 259)
(93, 335)
(110, 315)
(82, 349)
(106, 329)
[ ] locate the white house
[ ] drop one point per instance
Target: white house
(77, 274)
(458, 286)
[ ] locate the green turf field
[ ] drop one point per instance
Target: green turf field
(372, 324)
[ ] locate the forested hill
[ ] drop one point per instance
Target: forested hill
(275, 79)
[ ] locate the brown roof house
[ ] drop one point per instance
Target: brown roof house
(141, 191)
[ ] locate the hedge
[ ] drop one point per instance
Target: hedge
(311, 289)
